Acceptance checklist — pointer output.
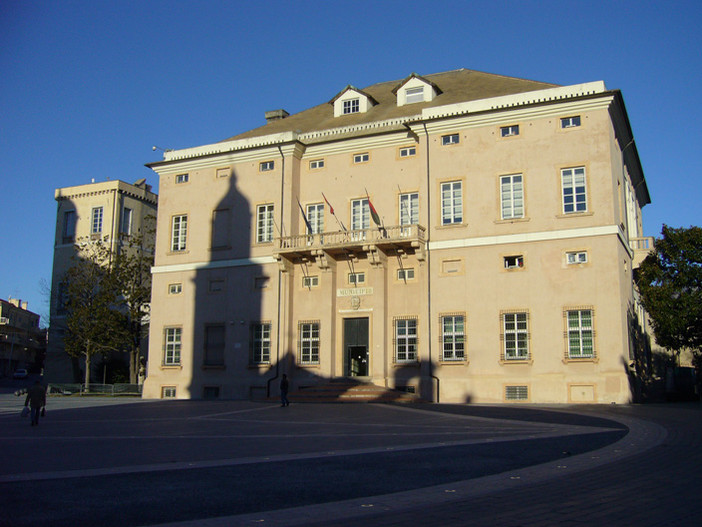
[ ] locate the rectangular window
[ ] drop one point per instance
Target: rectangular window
(405, 274)
(357, 278)
(179, 233)
(315, 215)
(260, 343)
(126, 224)
(406, 340)
(181, 178)
(96, 221)
(309, 342)
(175, 289)
(317, 163)
(512, 196)
(265, 166)
(408, 151)
(451, 203)
(69, 226)
(261, 282)
(223, 172)
(453, 337)
(216, 285)
(220, 229)
(168, 392)
(570, 122)
(574, 191)
(361, 158)
(214, 345)
(576, 257)
(580, 334)
(210, 392)
(516, 393)
(409, 208)
(360, 214)
(413, 95)
(172, 340)
(514, 262)
(310, 281)
(515, 335)
(509, 131)
(352, 106)
(264, 223)
(451, 139)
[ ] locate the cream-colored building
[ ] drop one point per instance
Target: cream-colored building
(509, 219)
(22, 342)
(110, 211)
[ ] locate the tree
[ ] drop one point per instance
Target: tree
(94, 322)
(670, 283)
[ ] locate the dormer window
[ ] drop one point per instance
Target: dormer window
(413, 95)
(351, 106)
(415, 89)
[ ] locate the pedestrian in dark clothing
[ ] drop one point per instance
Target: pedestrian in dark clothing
(36, 399)
(284, 391)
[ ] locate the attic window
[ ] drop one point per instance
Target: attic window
(352, 106)
(414, 95)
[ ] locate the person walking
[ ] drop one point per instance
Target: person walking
(284, 391)
(36, 399)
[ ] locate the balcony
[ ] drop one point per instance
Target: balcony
(398, 239)
(641, 247)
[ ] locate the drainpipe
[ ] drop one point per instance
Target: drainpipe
(280, 275)
(429, 338)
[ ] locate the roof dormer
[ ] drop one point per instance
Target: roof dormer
(351, 100)
(415, 89)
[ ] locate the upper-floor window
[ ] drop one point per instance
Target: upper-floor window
(224, 172)
(96, 221)
(450, 139)
(309, 342)
(360, 214)
(317, 163)
(406, 340)
(451, 203)
(315, 215)
(513, 262)
(570, 122)
(576, 257)
(175, 288)
(574, 190)
(179, 232)
(265, 166)
(126, 225)
(409, 208)
(181, 178)
(512, 196)
(260, 343)
(309, 282)
(69, 226)
(414, 95)
(361, 158)
(264, 223)
(509, 131)
(408, 151)
(357, 278)
(405, 274)
(352, 106)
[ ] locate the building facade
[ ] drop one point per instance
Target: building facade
(22, 341)
(109, 211)
(464, 236)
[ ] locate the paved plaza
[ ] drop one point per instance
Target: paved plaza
(128, 462)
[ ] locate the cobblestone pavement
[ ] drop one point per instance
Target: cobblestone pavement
(227, 463)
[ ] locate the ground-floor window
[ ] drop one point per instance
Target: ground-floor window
(453, 337)
(580, 334)
(515, 336)
(260, 343)
(406, 340)
(309, 342)
(214, 345)
(172, 342)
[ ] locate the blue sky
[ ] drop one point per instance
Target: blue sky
(87, 87)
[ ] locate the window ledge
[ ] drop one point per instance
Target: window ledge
(571, 360)
(214, 367)
(171, 366)
(409, 363)
(173, 253)
(528, 362)
(462, 362)
(259, 365)
(221, 248)
(509, 221)
(575, 215)
(316, 366)
(451, 225)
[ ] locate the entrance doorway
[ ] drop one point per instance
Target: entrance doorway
(356, 347)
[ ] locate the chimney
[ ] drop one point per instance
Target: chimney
(276, 115)
(24, 305)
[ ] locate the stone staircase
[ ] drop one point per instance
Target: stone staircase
(350, 391)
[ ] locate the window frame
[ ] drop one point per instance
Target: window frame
(127, 218)
(217, 349)
(414, 94)
(405, 344)
(581, 332)
(454, 339)
(360, 214)
(266, 166)
(316, 164)
(315, 215)
(512, 202)
(577, 193)
(181, 178)
(308, 282)
(518, 260)
(175, 288)
(409, 210)
(522, 351)
(172, 345)
(406, 274)
(407, 151)
(264, 222)
(260, 343)
(351, 106)
(68, 230)
(451, 210)
(308, 342)
(450, 139)
(179, 233)
(360, 158)
(576, 260)
(572, 121)
(96, 219)
(353, 278)
(512, 130)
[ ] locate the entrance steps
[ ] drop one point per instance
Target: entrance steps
(350, 391)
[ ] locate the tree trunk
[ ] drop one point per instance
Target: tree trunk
(87, 369)
(134, 366)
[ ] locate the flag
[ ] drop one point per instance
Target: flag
(304, 217)
(374, 213)
(331, 209)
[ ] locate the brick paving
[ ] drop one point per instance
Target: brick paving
(235, 463)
